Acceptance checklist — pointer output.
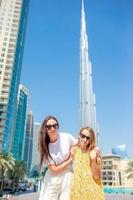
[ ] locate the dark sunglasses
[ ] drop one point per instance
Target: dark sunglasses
(82, 136)
(49, 127)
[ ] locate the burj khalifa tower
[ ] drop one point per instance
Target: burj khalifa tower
(87, 97)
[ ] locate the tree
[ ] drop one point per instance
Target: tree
(129, 170)
(6, 163)
(18, 173)
(35, 172)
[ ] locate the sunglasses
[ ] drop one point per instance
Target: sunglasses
(50, 126)
(82, 136)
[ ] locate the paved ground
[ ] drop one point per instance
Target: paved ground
(35, 196)
(119, 197)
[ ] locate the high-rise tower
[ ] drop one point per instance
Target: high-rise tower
(13, 19)
(28, 142)
(35, 152)
(20, 126)
(87, 97)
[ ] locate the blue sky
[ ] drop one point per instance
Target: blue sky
(51, 65)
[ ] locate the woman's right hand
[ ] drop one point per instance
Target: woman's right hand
(72, 150)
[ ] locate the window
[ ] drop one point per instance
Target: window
(2, 55)
(1, 60)
(3, 49)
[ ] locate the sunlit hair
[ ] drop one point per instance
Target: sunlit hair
(92, 141)
(44, 140)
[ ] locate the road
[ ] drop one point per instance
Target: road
(35, 196)
(29, 196)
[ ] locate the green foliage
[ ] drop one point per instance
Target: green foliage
(12, 169)
(129, 170)
(6, 164)
(35, 172)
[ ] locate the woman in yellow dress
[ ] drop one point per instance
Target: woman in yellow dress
(87, 183)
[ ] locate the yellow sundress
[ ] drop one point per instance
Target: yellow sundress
(84, 187)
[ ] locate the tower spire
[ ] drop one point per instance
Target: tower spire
(83, 24)
(87, 98)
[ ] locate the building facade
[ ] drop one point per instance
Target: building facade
(35, 152)
(28, 141)
(112, 174)
(13, 20)
(20, 126)
(114, 171)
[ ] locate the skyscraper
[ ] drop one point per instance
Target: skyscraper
(87, 97)
(28, 142)
(20, 125)
(13, 19)
(35, 152)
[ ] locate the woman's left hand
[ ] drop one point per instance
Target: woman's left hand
(93, 154)
(98, 154)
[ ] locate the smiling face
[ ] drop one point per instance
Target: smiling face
(52, 129)
(84, 138)
(87, 138)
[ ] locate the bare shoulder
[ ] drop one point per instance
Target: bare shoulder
(93, 151)
(96, 148)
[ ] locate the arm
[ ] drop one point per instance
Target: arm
(96, 171)
(57, 169)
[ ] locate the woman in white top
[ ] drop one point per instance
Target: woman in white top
(55, 152)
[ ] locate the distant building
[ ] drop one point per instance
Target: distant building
(13, 21)
(120, 150)
(113, 171)
(35, 152)
(28, 142)
(20, 126)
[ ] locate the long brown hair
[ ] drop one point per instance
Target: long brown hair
(44, 140)
(92, 143)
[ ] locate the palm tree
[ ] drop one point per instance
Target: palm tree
(18, 173)
(6, 163)
(129, 170)
(35, 172)
(2, 170)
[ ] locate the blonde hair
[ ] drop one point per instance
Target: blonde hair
(92, 143)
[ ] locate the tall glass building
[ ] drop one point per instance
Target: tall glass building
(20, 125)
(28, 142)
(87, 96)
(35, 151)
(13, 20)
